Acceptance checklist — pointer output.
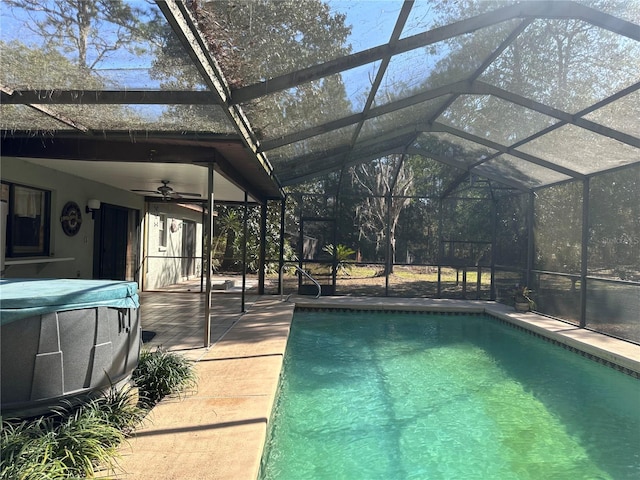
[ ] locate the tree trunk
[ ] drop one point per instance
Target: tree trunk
(228, 261)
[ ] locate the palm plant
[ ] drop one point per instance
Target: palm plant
(341, 253)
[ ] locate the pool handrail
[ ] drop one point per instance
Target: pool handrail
(303, 273)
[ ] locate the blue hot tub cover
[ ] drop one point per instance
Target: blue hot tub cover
(21, 298)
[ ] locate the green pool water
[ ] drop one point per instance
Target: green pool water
(420, 396)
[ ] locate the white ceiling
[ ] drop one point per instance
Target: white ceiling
(148, 176)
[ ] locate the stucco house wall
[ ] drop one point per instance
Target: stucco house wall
(169, 263)
(161, 265)
(64, 188)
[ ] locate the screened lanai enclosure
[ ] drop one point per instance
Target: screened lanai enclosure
(446, 149)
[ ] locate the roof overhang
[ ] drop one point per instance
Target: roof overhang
(148, 154)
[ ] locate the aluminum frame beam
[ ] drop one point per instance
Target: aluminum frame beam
(542, 9)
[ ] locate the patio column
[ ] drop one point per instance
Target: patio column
(388, 260)
(244, 249)
(530, 240)
(584, 254)
(208, 250)
(494, 242)
(203, 241)
(283, 205)
(440, 245)
(263, 246)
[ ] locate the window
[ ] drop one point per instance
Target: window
(162, 230)
(28, 221)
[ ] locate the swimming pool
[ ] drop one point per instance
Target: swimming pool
(367, 395)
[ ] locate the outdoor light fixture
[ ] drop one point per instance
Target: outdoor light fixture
(92, 206)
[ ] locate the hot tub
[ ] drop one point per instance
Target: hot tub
(62, 340)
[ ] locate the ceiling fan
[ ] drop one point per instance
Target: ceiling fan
(167, 192)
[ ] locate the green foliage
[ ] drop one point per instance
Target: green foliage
(260, 39)
(558, 237)
(614, 223)
(257, 40)
(76, 29)
(341, 253)
(78, 440)
(558, 62)
(228, 225)
(511, 230)
(524, 295)
(161, 373)
(378, 215)
(120, 407)
(72, 443)
(229, 237)
(23, 66)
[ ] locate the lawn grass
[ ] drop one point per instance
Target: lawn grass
(405, 281)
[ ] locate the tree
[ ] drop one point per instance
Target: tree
(255, 40)
(614, 224)
(385, 182)
(258, 39)
(229, 240)
(511, 231)
(26, 67)
(567, 64)
(72, 42)
(228, 225)
(558, 238)
(88, 31)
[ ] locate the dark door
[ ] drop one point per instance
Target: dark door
(188, 248)
(110, 241)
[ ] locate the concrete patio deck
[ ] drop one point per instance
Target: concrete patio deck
(218, 431)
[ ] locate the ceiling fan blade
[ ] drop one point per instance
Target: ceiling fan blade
(189, 194)
(166, 192)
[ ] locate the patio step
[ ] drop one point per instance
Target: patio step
(222, 285)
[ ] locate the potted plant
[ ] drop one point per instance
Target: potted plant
(522, 299)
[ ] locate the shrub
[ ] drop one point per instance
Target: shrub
(63, 445)
(120, 407)
(161, 373)
(73, 442)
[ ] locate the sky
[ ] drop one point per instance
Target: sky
(371, 21)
